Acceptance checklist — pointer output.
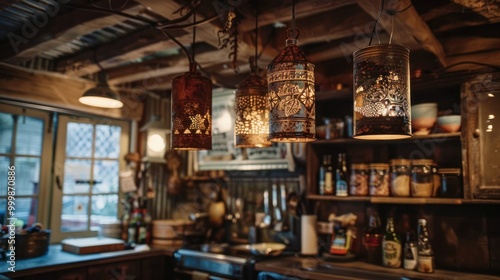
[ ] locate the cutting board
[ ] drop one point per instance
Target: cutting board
(91, 245)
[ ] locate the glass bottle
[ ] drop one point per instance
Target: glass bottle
(391, 246)
(321, 176)
(132, 226)
(425, 261)
(410, 252)
(327, 163)
(341, 176)
(372, 240)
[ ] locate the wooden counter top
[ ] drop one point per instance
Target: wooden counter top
(57, 259)
(315, 269)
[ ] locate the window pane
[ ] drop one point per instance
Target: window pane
(6, 127)
(107, 141)
(74, 213)
(79, 140)
(29, 136)
(27, 175)
(26, 210)
(106, 176)
(4, 164)
(104, 208)
(76, 176)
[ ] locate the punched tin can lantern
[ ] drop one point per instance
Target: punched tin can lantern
(291, 95)
(191, 112)
(252, 113)
(381, 82)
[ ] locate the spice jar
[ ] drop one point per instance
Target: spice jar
(451, 182)
(422, 177)
(358, 183)
(436, 180)
(379, 179)
(400, 177)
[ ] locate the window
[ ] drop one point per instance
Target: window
(25, 145)
(88, 160)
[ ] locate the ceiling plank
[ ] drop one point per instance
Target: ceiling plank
(60, 29)
(207, 32)
(409, 28)
(487, 9)
(137, 45)
(477, 61)
(303, 9)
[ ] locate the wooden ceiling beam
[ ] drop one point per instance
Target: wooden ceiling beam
(409, 28)
(141, 43)
(59, 30)
(487, 9)
(303, 9)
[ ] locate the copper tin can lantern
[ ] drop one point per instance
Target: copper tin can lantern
(191, 112)
(251, 107)
(382, 92)
(291, 95)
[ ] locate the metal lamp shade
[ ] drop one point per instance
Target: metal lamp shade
(191, 112)
(251, 107)
(101, 95)
(382, 92)
(291, 96)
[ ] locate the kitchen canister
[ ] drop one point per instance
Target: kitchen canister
(422, 179)
(400, 177)
(379, 179)
(308, 236)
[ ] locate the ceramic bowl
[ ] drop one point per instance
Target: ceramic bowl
(449, 123)
(423, 117)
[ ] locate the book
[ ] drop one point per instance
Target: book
(91, 245)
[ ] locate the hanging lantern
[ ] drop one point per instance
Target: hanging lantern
(382, 92)
(291, 94)
(191, 112)
(252, 113)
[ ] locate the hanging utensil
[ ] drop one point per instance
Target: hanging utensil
(267, 219)
(276, 209)
(285, 226)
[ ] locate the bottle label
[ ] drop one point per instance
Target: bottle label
(391, 255)
(131, 235)
(341, 188)
(328, 183)
(425, 264)
(410, 261)
(142, 235)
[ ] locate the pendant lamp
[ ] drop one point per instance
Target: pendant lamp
(191, 109)
(381, 82)
(252, 107)
(291, 93)
(101, 96)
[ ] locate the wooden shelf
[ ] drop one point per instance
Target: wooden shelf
(436, 136)
(403, 200)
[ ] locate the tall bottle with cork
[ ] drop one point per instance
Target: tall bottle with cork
(391, 246)
(341, 176)
(326, 176)
(425, 261)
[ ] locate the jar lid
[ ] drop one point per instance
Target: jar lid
(422, 162)
(359, 166)
(379, 165)
(400, 161)
(451, 171)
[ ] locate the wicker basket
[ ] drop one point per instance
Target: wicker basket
(35, 244)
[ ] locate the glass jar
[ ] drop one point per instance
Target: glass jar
(358, 183)
(379, 179)
(400, 177)
(436, 180)
(451, 182)
(422, 179)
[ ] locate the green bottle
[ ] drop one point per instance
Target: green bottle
(391, 246)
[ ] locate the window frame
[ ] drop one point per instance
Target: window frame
(43, 211)
(60, 156)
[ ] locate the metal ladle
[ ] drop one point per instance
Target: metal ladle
(267, 219)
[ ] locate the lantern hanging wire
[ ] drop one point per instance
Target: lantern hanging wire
(291, 93)
(191, 106)
(252, 105)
